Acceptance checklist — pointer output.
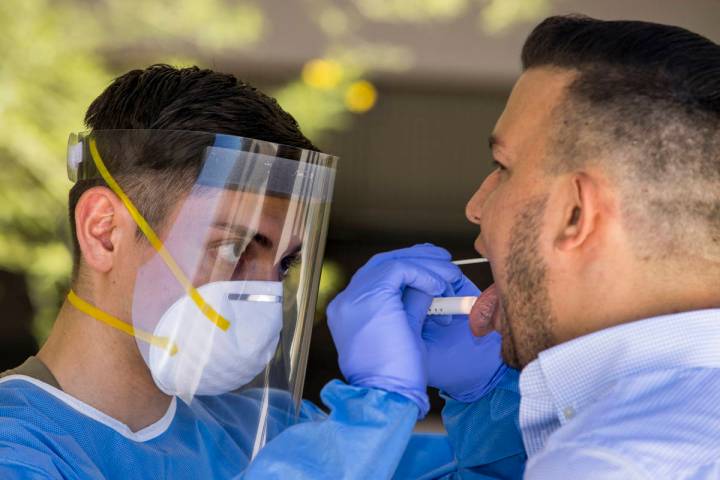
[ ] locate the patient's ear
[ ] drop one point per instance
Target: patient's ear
(100, 224)
(582, 214)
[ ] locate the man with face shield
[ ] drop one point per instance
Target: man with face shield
(199, 215)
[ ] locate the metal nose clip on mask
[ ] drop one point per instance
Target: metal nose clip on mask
(223, 301)
(235, 357)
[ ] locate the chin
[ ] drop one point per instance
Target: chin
(508, 354)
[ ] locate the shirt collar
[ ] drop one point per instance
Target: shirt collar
(578, 371)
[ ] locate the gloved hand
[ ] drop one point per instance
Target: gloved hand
(460, 364)
(378, 344)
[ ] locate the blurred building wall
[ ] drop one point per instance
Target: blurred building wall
(16, 339)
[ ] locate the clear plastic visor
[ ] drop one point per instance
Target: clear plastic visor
(226, 267)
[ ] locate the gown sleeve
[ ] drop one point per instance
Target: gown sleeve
(368, 434)
(364, 436)
(485, 435)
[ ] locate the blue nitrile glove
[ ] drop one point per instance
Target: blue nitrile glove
(378, 346)
(460, 364)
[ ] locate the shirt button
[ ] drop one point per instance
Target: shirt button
(568, 413)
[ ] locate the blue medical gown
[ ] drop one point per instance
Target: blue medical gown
(367, 435)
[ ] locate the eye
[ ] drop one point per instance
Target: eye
(289, 262)
(231, 252)
(499, 165)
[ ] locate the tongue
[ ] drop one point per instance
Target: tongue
(482, 312)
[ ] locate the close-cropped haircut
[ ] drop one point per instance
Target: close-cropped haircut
(644, 104)
(170, 99)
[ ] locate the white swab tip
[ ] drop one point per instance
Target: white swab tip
(451, 305)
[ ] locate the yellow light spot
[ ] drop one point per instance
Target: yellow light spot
(322, 74)
(360, 96)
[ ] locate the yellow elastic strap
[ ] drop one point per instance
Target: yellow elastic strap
(93, 311)
(157, 244)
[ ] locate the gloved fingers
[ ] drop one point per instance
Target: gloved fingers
(446, 325)
(443, 319)
(425, 256)
(384, 283)
(464, 287)
(448, 271)
(416, 306)
(430, 276)
(422, 250)
(402, 274)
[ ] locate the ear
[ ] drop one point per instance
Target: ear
(581, 213)
(101, 223)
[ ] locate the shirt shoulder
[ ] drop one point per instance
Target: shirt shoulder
(583, 461)
(27, 429)
(43, 429)
(22, 406)
(23, 463)
(665, 421)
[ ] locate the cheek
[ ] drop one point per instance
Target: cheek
(497, 220)
(258, 264)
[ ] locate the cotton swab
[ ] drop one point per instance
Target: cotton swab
(470, 261)
(455, 305)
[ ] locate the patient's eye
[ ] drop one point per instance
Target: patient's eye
(499, 165)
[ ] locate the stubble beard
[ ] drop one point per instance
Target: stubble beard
(525, 311)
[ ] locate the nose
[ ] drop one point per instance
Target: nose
(473, 209)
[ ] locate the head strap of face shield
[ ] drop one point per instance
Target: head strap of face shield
(231, 162)
(209, 312)
(91, 310)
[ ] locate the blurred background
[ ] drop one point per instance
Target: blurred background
(406, 92)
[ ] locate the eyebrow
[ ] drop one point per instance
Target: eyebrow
(493, 140)
(262, 240)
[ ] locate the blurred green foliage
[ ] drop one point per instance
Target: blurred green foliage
(55, 60)
(52, 67)
(48, 74)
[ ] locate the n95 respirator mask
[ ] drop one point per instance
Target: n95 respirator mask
(209, 360)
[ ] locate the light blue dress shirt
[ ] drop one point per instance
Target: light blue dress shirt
(637, 401)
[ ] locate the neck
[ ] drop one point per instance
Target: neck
(635, 293)
(102, 367)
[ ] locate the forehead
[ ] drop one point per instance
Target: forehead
(527, 119)
(226, 203)
(204, 208)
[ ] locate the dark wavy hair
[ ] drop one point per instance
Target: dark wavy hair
(162, 97)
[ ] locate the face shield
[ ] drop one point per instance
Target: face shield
(234, 231)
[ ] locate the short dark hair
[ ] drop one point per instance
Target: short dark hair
(645, 101)
(162, 97)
